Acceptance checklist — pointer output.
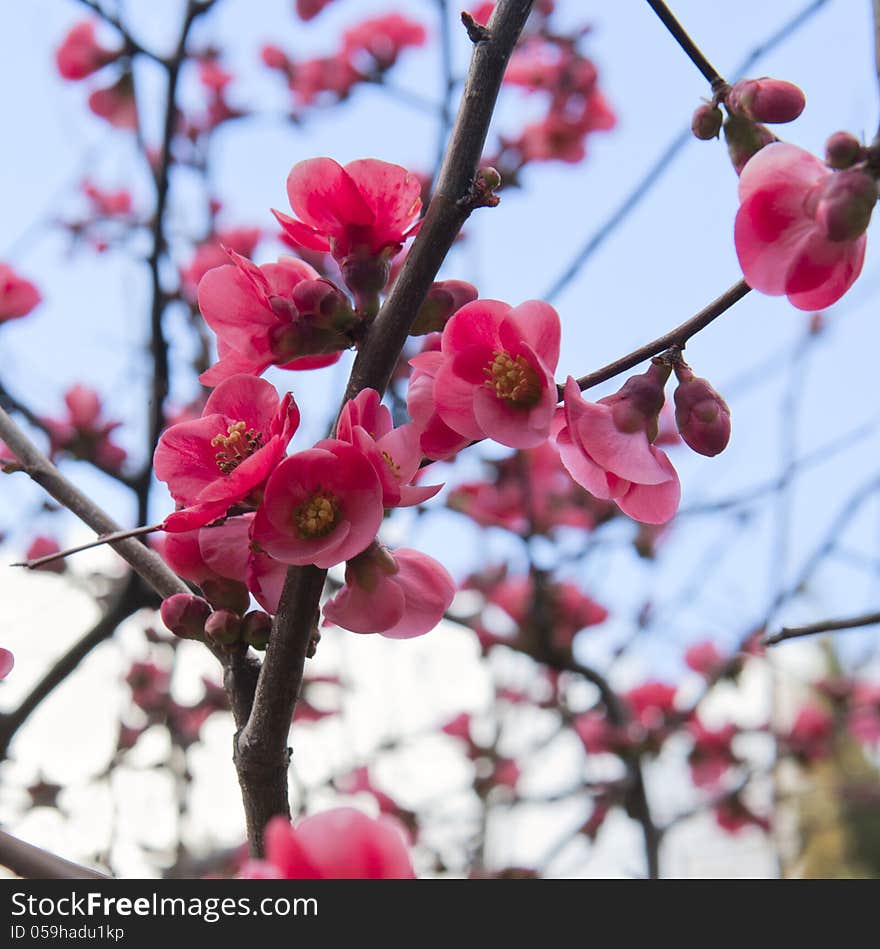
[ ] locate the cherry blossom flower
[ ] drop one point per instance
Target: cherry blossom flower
(279, 314)
(339, 844)
(785, 238)
(17, 295)
(383, 39)
(398, 594)
(224, 457)
(80, 54)
(83, 433)
(496, 376)
(321, 506)
(369, 205)
(116, 103)
(615, 464)
(394, 452)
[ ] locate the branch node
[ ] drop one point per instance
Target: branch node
(477, 33)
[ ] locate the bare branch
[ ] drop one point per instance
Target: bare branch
(34, 863)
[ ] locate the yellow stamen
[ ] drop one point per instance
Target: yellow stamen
(317, 516)
(238, 443)
(513, 380)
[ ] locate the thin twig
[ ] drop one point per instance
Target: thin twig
(693, 52)
(824, 626)
(100, 541)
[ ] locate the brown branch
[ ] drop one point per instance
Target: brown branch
(34, 863)
(261, 753)
(100, 541)
(675, 338)
(690, 48)
(37, 466)
(825, 626)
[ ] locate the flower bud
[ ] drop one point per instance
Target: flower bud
(366, 275)
(706, 122)
(845, 205)
(225, 594)
(444, 299)
(766, 100)
(745, 139)
(842, 150)
(636, 406)
(223, 627)
(255, 629)
(323, 305)
(702, 416)
(185, 615)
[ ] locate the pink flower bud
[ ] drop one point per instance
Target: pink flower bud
(443, 301)
(745, 139)
(845, 204)
(706, 122)
(766, 100)
(223, 627)
(636, 406)
(843, 150)
(185, 615)
(365, 275)
(255, 629)
(323, 304)
(702, 416)
(226, 594)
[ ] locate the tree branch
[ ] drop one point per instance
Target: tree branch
(34, 863)
(37, 466)
(824, 626)
(261, 753)
(693, 52)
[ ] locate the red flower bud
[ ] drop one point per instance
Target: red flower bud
(226, 594)
(843, 150)
(702, 416)
(223, 627)
(845, 204)
(185, 614)
(745, 139)
(255, 629)
(766, 100)
(706, 122)
(444, 299)
(636, 406)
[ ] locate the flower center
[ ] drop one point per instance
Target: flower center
(238, 443)
(317, 516)
(392, 465)
(513, 380)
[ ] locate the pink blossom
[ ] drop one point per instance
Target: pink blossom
(108, 203)
(83, 433)
(226, 549)
(321, 506)
(809, 738)
(80, 54)
(398, 595)
(383, 38)
(652, 704)
(309, 9)
(711, 755)
(570, 609)
(394, 453)
(42, 546)
(781, 244)
(496, 377)
(116, 103)
(17, 295)
(213, 252)
(225, 456)
(622, 466)
(703, 657)
(458, 727)
(271, 315)
(340, 844)
(359, 781)
(436, 439)
(7, 661)
(864, 718)
(369, 205)
(506, 773)
(327, 77)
